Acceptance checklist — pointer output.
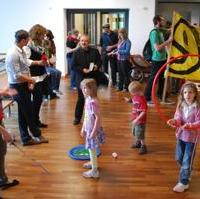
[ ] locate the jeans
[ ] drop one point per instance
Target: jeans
(72, 73)
(26, 119)
(55, 76)
(113, 66)
(184, 152)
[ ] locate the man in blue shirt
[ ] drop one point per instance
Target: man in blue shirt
(108, 43)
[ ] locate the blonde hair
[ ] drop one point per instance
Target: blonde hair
(91, 85)
(123, 32)
(135, 86)
(193, 87)
(36, 32)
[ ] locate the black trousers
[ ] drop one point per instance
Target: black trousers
(113, 66)
(26, 119)
(37, 98)
(79, 105)
(124, 69)
(156, 66)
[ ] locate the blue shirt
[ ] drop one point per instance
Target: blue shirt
(123, 50)
(108, 39)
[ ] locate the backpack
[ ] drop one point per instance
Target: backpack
(147, 50)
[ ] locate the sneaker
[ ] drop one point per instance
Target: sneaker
(76, 121)
(125, 90)
(3, 180)
(31, 142)
(119, 89)
(45, 102)
(150, 103)
(42, 125)
(136, 145)
(180, 187)
(41, 139)
(91, 174)
(87, 165)
(143, 150)
(54, 96)
(73, 88)
(167, 102)
(58, 92)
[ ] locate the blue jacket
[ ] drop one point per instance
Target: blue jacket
(123, 50)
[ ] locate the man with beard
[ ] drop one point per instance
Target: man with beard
(159, 56)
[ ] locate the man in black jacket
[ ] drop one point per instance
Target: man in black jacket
(86, 62)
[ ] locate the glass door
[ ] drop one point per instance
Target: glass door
(84, 22)
(117, 19)
(90, 21)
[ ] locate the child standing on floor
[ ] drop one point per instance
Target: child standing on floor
(4, 137)
(91, 129)
(138, 115)
(187, 123)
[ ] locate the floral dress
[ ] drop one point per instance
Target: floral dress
(92, 108)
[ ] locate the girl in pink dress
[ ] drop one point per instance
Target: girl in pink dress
(187, 122)
(91, 129)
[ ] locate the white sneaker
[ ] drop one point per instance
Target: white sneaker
(87, 165)
(91, 174)
(41, 139)
(180, 187)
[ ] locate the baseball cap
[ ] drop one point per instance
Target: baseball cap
(107, 25)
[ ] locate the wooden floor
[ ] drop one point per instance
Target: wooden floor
(151, 176)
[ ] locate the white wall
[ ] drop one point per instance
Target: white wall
(192, 10)
(22, 14)
(52, 14)
(140, 20)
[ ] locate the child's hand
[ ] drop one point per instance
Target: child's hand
(92, 135)
(187, 126)
(6, 136)
(82, 133)
(173, 123)
(128, 100)
(134, 123)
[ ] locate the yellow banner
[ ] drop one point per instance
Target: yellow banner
(186, 40)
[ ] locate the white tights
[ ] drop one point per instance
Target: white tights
(93, 158)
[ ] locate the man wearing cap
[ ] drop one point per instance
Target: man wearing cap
(108, 43)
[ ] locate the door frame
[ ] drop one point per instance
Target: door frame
(70, 19)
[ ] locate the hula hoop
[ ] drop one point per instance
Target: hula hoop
(162, 116)
(80, 153)
(160, 113)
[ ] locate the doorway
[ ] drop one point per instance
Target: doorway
(90, 21)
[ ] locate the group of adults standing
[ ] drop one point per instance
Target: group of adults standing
(26, 64)
(115, 50)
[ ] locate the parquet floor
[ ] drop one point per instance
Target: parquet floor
(151, 176)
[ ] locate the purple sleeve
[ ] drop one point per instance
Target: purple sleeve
(178, 116)
(94, 107)
(196, 124)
